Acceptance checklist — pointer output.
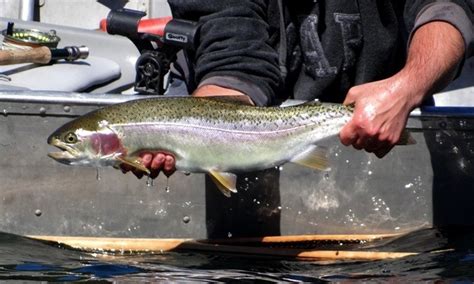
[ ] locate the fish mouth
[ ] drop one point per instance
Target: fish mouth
(65, 156)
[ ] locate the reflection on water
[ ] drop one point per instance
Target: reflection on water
(445, 254)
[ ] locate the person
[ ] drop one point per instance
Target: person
(385, 57)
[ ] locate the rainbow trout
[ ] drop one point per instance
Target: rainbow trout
(204, 135)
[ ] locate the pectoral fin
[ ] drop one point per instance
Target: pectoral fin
(225, 182)
(134, 163)
(314, 157)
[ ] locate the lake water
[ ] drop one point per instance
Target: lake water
(444, 255)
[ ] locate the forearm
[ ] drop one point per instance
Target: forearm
(233, 51)
(382, 107)
(436, 49)
(214, 90)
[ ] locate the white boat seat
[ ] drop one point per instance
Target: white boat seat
(61, 76)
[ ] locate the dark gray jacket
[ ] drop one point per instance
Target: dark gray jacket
(311, 49)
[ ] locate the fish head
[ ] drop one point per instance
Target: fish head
(81, 144)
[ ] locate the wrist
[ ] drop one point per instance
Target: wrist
(410, 84)
(218, 91)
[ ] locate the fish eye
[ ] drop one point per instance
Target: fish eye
(70, 138)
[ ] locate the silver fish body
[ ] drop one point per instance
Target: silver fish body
(204, 135)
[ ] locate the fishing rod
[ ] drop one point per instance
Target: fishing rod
(34, 46)
(43, 55)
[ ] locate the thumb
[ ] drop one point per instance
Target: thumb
(351, 96)
(348, 135)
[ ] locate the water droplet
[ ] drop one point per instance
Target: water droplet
(326, 176)
(38, 212)
(409, 185)
(186, 219)
(347, 161)
(279, 207)
(229, 235)
(5, 112)
(149, 181)
(97, 174)
(455, 150)
(67, 108)
(369, 173)
(187, 173)
(42, 110)
(397, 228)
(167, 187)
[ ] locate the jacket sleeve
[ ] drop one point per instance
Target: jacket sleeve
(458, 13)
(233, 49)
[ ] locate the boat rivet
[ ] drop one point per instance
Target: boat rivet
(38, 212)
(67, 108)
(42, 110)
(186, 219)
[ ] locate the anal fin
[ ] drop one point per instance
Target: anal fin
(314, 157)
(225, 182)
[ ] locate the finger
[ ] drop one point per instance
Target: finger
(347, 135)
(373, 144)
(154, 174)
(157, 162)
(359, 144)
(351, 96)
(138, 173)
(380, 153)
(169, 165)
(146, 159)
(125, 168)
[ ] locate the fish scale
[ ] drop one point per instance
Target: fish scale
(216, 112)
(205, 135)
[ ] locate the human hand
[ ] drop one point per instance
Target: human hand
(155, 162)
(164, 162)
(380, 115)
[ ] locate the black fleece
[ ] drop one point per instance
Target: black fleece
(329, 45)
